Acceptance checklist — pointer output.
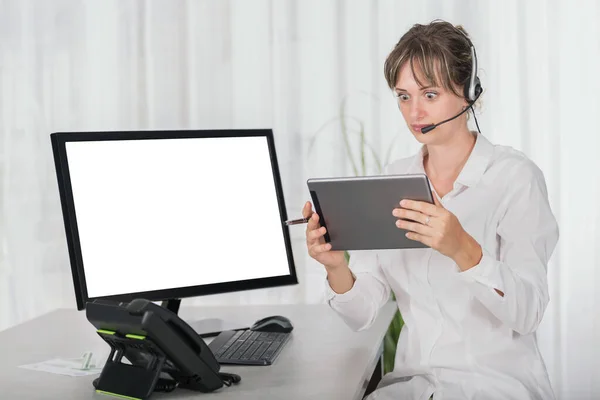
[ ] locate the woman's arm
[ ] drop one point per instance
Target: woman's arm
(360, 305)
(513, 283)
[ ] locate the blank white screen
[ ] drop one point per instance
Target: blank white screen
(169, 213)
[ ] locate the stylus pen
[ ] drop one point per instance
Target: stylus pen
(297, 221)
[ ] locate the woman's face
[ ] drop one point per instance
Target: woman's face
(422, 106)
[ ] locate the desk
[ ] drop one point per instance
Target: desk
(323, 359)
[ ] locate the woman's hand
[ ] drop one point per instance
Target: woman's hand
(315, 242)
(439, 229)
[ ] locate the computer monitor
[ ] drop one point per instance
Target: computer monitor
(166, 215)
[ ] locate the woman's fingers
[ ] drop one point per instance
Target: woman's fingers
(410, 215)
(313, 223)
(319, 248)
(316, 234)
(307, 210)
(415, 227)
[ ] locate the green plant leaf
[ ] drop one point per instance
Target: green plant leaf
(373, 152)
(390, 342)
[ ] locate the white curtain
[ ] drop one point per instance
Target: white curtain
(68, 65)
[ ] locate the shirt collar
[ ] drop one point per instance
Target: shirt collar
(473, 169)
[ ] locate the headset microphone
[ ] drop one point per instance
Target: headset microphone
(429, 128)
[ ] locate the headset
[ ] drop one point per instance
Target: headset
(471, 91)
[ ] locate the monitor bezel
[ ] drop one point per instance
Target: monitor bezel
(59, 140)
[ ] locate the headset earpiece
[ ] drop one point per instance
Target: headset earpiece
(472, 95)
(473, 87)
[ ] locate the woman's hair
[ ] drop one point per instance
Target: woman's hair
(440, 50)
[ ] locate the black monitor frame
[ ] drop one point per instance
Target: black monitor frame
(171, 296)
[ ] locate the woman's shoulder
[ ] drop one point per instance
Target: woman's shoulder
(514, 162)
(515, 167)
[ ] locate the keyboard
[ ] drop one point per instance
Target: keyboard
(246, 347)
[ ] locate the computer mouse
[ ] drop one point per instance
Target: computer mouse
(275, 323)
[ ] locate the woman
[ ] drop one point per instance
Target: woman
(473, 300)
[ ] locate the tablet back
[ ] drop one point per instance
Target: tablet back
(357, 211)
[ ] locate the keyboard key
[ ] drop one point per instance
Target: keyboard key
(233, 349)
(248, 354)
(261, 349)
(245, 335)
(250, 347)
(271, 350)
(241, 350)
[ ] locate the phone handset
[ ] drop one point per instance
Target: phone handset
(139, 307)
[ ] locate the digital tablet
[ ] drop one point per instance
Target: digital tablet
(357, 211)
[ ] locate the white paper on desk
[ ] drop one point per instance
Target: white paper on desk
(63, 367)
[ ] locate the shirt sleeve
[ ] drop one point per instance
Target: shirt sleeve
(360, 306)
(528, 235)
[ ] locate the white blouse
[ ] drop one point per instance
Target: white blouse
(461, 339)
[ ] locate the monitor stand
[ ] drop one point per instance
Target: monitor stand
(204, 327)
